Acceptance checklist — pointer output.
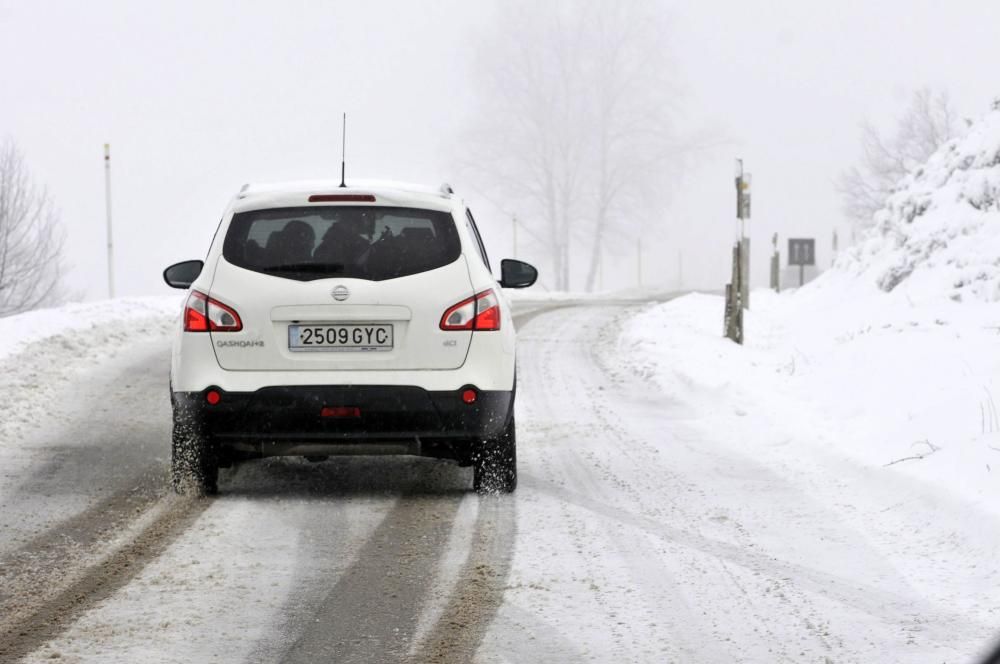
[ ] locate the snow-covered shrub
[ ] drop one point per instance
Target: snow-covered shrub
(939, 233)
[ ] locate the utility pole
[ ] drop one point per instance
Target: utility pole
(600, 268)
(638, 261)
(513, 219)
(107, 206)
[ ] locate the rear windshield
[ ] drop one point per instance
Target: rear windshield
(362, 242)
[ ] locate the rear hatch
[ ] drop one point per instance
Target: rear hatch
(341, 287)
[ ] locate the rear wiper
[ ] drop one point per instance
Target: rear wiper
(305, 267)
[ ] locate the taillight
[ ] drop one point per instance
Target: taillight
(203, 314)
(479, 312)
(341, 198)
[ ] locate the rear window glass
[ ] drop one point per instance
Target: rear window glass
(361, 242)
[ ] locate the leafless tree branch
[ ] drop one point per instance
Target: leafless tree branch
(928, 123)
(31, 239)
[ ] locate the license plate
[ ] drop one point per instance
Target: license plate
(340, 337)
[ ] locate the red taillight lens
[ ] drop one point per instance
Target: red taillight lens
(203, 314)
(341, 198)
(340, 411)
(213, 397)
(479, 312)
(469, 395)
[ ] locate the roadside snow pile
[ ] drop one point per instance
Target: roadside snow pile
(939, 234)
(106, 315)
(42, 353)
(846, 371)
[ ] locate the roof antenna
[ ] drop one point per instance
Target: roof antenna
(343, 153)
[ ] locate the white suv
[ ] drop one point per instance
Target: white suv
(344, 320)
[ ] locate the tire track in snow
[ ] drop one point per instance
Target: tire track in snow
(480, 586)
(479, 589)
(371, 612)
(35, 621)
(110, 463)
(569, 462)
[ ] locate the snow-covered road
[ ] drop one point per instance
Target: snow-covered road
(636, 535)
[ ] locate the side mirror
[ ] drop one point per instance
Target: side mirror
(516, 274)
(182, 275)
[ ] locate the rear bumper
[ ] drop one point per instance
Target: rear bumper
(291, 419)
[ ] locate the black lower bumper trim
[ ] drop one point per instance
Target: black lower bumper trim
(327, 414)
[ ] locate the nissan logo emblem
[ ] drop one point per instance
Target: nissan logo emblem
(340, 293)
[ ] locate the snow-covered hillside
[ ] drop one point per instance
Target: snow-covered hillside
(939, 234)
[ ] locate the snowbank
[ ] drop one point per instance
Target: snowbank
(939, 234)
(16, 332)
(44, 351)
(842, 369)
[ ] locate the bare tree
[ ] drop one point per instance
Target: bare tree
(928, 123)
(31, 239)
(574, 122)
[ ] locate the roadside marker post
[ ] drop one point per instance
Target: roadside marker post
(738, 290)
(775, 265)
(743, 210)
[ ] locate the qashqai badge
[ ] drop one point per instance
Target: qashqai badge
(340, 293)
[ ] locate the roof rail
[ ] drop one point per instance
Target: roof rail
(446, 189)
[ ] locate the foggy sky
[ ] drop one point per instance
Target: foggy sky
(199, 98)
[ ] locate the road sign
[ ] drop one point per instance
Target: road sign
(801, 251)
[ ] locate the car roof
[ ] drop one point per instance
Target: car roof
(398, 194)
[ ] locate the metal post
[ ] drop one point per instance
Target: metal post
(802, 275)
(107, 206)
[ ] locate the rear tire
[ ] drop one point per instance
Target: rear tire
(494, 464)
(194, 465)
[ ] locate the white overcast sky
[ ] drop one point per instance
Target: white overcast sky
(198, 98)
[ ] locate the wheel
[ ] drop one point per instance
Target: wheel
(494, 465)
(194, 466)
